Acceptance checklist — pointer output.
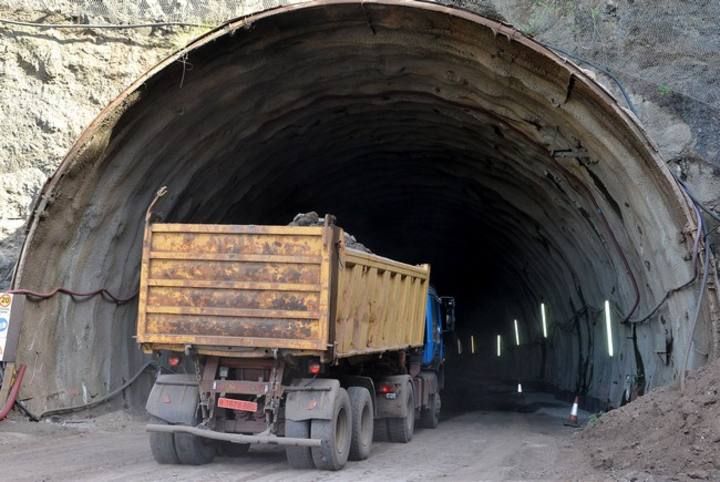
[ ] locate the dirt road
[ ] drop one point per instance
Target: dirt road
(469, 446)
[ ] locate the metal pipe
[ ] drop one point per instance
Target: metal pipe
(235, 437)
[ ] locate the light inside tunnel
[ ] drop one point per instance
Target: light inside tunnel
(517, 333)
(544, 320)
(608, 328)
(434, 135)
(472, 344)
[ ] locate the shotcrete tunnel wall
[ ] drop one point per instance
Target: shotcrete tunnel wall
(434, 135)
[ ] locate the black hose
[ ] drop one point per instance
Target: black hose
(86, 406)
(104, 293)
(102, 26)
(602, 69)
(696, 314)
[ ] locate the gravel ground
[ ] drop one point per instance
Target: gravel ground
(481, 445)
(664, 434)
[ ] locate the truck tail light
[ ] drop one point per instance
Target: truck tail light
(385, 388)
(174, 360)
(314, 367)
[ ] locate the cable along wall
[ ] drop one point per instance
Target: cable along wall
(433, 134)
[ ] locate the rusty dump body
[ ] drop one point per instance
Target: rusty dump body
(245, 291)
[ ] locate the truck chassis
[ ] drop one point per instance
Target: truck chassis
(323, 419)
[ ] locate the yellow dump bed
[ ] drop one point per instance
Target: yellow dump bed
(241, 290)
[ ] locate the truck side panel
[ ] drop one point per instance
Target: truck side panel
(235, 286)
(380, 304)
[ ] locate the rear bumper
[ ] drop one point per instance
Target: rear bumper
(235, 437)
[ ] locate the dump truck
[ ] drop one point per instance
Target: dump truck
(283, 335)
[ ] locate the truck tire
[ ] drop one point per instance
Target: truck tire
(400, 430)
(192, 450)
(362, 422)
(162, 446)
(335, 434)
(431, 416)
(298, 457)
(230, 449)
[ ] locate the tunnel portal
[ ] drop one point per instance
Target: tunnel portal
(434, 135)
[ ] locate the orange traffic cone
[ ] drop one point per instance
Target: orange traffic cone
(572, 421)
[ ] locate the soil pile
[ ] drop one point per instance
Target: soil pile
(313, 219)
(664, 433)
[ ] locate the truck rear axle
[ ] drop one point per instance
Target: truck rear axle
(263, 438)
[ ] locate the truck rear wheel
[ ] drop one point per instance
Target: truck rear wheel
(431, 416)
(401, 429)
(335, 435)
(362, 422)
(162, 446)
(298, 457)
(192, 450)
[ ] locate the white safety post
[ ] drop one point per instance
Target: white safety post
(472, 344)
(499, 343)
(608, 326)
(517, 333)
(544, 319)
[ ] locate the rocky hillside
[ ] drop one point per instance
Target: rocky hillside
(52, 84)
(54, 81)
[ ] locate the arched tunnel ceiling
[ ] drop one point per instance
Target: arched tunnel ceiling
(432, 133)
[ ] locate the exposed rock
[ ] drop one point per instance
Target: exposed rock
(52, 84)
(313, 219)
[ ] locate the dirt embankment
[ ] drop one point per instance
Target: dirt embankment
(665, 433)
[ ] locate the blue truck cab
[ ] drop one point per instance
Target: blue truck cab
(428, 377)
(439, 320)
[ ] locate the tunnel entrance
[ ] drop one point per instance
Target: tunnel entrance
(434, 135)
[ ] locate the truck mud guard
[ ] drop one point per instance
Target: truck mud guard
(174, 399)
(266, 439)
(311, 398)
(393, 407)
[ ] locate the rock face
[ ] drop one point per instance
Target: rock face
(313, 219)
(53, 82)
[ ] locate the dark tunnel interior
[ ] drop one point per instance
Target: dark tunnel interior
(434, 136)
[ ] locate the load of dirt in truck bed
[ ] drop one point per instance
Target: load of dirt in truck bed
(313, 219)
(664, 433)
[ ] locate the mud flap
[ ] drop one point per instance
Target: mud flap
(309, 398)
(174, 399)
(393, 407)
(430, 387)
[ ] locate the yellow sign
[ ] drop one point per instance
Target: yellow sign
(5, 300)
